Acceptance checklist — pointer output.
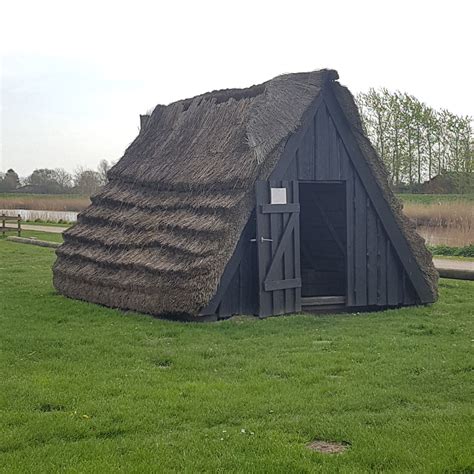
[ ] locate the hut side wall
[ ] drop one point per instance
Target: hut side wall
(241, 295)
(375, 276)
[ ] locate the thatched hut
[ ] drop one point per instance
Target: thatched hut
(261, 201)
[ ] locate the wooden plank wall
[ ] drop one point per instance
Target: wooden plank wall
(285, 267)
(241, 296)
(375, 276)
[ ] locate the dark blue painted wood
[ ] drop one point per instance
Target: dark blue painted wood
(381, 265)
(350, 265)
(360, 243)
(384, 212)
(276, 251)
(322, 145)
(334, 155)
(306, 156)
(393, 278)
(371, 255)
(322, 150)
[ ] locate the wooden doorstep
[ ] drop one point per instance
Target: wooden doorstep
(322, 300)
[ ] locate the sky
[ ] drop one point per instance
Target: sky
(76, 75)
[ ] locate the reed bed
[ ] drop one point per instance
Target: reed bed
(445, 223)
(457, 214)
(46, 202)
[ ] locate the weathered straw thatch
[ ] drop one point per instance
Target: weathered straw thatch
(158, 236)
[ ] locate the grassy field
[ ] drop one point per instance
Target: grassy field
(48, 202)
(49, 224)
(38, 235)
(90, 389)
(436, 198)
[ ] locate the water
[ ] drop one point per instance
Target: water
(452, 237)
(31, 215)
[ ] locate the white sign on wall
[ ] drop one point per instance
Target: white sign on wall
(278, 196)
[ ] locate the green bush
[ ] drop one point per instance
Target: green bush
(467, 251)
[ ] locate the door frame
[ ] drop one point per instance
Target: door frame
(330, 300)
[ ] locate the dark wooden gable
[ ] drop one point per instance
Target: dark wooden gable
(375, 273)
(381, 270)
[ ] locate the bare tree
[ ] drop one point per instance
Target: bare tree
(103, 169)
(86, 181)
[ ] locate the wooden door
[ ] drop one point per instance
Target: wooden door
(278, 244)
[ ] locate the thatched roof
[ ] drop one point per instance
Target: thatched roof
(158, 236)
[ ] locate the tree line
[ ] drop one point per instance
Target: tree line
(57, 181)
(415, 141)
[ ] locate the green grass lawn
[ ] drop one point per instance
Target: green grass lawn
(50, 236)
(435, 198)
(48, 224)
(90, 389)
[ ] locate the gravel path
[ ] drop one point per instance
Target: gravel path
(44, 228)
(444, 263)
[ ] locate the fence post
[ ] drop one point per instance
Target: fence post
(3, 225)
(19, 225)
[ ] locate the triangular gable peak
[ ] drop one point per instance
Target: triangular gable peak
(381, 266)
(375, 274)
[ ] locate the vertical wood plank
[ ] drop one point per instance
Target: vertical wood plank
(334, 158)
(276, 232)
(408, 292)
(371, 255)
(392, 276)
(401, 281)
(350, 240)
(288, 261)
(292, 170)
(381, 265)
(235, 302)
(345, 165)
(296, 249)
(299, 167)
(305, 156)
(360, 232)
(322, 144)
(246, 278)
(253, 282)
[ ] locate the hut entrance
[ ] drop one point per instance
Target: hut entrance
(323, 243)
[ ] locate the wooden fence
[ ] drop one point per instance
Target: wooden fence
(6, 219)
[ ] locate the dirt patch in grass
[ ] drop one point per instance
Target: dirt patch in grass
(49, 407)
(328, 447)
